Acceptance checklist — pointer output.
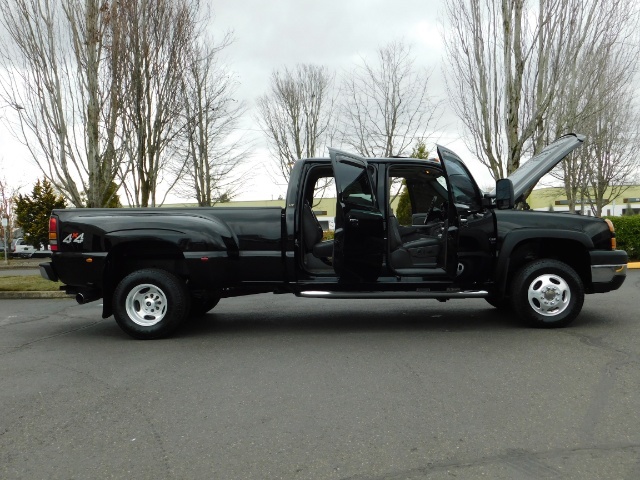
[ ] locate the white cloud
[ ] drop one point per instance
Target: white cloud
(427, 34)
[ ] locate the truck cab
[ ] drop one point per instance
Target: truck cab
(449, 238)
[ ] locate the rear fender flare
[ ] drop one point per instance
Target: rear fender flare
(160, 239)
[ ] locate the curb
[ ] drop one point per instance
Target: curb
(633, 265)
(22, 262)
(33, 295)
(18, 267)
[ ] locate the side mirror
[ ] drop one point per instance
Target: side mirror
(504, 194)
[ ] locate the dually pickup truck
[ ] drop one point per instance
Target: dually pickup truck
(155, 267)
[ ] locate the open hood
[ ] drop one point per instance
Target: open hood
(535, 168)
(539, 165)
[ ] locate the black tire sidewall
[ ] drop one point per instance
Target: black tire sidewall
(177, 303)
(527, 274)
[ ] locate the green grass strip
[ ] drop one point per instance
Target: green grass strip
(28, 283)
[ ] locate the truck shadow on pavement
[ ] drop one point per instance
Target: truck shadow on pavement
(335, 318)
(343, 322)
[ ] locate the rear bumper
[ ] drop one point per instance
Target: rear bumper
(47, 272)
(608, 270)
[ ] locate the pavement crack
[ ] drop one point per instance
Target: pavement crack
(603, 390)
(530, 465)
(601, 396)
(599, 342)
(160, 442)
(48, 337)
(527, 465)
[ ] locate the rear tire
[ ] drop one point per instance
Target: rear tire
(547, 294)
(150, 303)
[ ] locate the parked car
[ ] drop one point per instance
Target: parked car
(21, 249)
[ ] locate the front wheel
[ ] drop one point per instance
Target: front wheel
(547, 293)
(150, 303)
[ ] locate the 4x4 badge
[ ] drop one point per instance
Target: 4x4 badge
(73, 238)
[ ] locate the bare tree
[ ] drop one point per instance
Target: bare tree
(386, 105)
(7, 195)
(297, 114)
(611, 163)
(573, 108)
(59, 72)
(598, 99)
(212, 147)
(155, 48)
(512, 61)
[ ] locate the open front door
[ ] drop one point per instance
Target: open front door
(358, 246)
(465, 200)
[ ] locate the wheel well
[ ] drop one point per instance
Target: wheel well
(571, 252)
(131, 256)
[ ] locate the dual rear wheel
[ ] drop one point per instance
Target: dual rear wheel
(153, 303)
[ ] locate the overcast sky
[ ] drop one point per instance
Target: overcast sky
(277, 33)
(335, 33)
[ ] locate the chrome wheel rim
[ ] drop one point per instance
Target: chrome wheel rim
(549, 295)
(146, 305)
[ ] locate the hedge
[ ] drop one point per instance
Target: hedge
(327, 235)
(628, 234)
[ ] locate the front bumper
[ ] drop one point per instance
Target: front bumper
(608, 270)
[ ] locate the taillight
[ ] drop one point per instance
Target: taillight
(53, 233)
(613, 233)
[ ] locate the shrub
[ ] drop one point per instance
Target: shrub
(328, 235)
(628, 234)
(403, 213)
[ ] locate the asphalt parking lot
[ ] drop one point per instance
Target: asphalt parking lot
(270, 387)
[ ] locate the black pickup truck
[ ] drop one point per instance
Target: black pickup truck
(156, 267)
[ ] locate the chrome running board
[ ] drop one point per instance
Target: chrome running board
(393, 295)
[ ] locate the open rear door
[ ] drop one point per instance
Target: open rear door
(358, 247)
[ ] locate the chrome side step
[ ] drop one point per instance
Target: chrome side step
(393, 295)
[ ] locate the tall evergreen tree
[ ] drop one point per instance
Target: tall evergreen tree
(404, 212)
(32, 212)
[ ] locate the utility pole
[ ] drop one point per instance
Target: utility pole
(5, 224)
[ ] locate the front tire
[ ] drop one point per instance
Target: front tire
(547, 294)
(150, 303)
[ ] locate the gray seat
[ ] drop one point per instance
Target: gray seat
(417, 253)
(312, 234)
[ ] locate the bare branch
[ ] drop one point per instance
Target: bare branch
(210, 145)
(297, 114)
(386, 105)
